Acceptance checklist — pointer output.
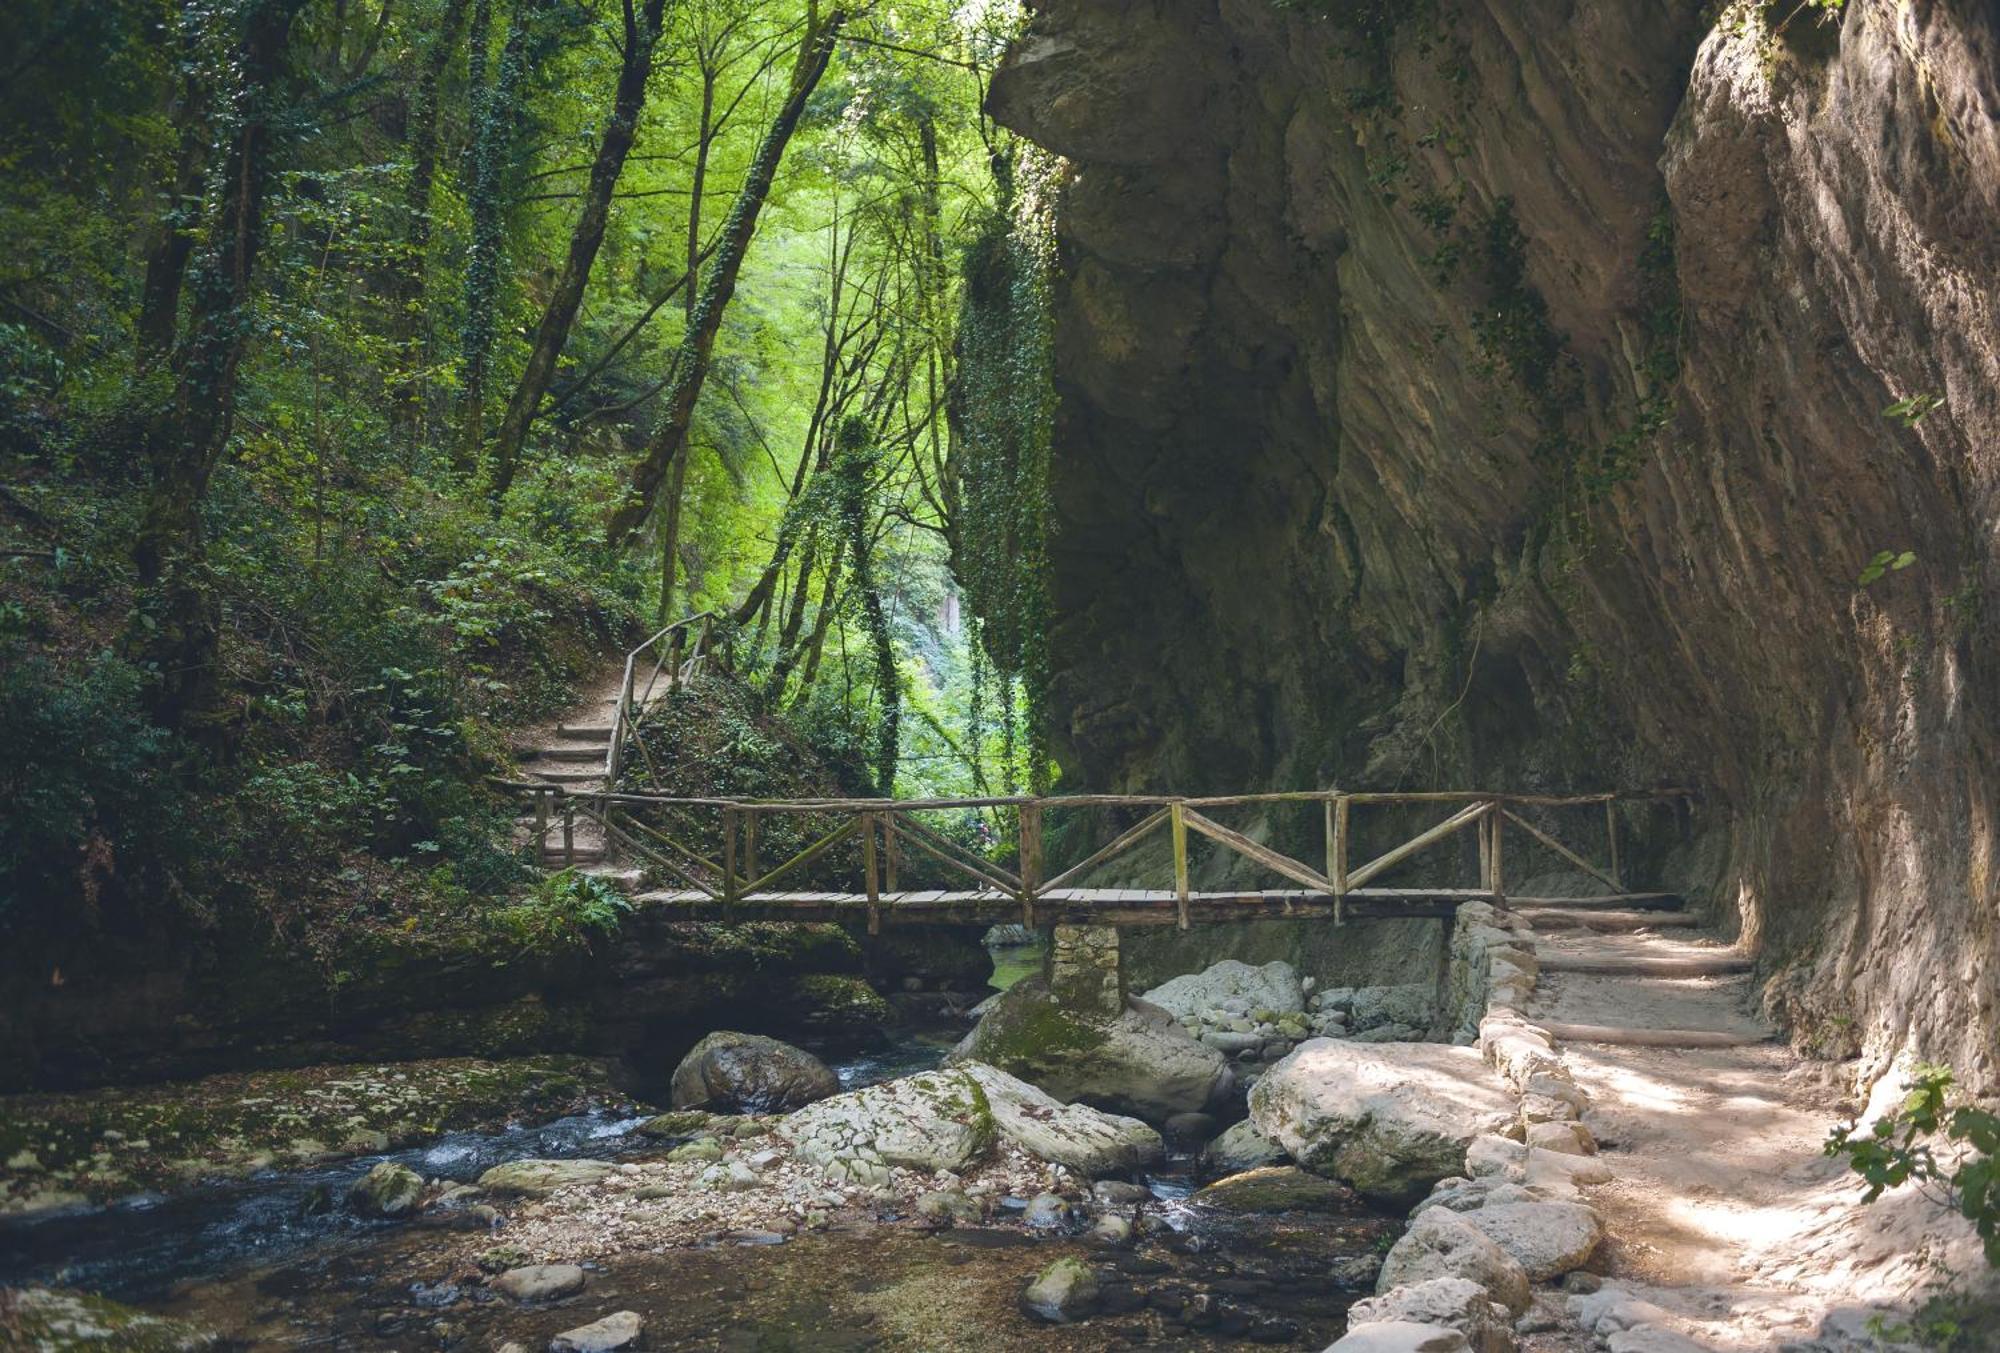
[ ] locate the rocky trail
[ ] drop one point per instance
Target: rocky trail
(572, 753)
(1725, 1224)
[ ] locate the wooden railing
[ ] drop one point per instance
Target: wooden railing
(678, 652)
(665, 833)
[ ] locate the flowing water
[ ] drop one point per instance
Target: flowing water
(273, 1260)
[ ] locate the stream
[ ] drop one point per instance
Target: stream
(273, 1260)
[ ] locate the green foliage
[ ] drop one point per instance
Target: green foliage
(1946, 1150)
(564, 910)
(1884, 563)
(1005, 408)
(1912, 411)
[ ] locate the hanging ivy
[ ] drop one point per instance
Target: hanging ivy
(1004, 408)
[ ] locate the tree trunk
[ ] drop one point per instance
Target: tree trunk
(643, 488)
(829, 606)
(642, 31)
(172, 243)
(180, 631)
(406, 400)
(493, 137)
(670, 535)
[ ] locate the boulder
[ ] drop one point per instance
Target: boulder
(1086, 1140)
(1439, 1244)
(1391, 1119)
(1049, 1212)
(1456, 1302)
(1275, 987)
(1569, 1138)
(51, 1319)
(948, 1207)
(747, 1073)
(539, 1282)
(1241, 1147)
(539, 1178)
(388, 1191)
(1064, 1291)
(1409, 1005)
(622, 1329)
(1276, 1188)
(935, 1120)
(1400, 1336)
(1137, 1061)
(1547, 1239)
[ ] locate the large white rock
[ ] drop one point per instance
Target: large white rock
(1400, 1336)
(1275, 987)
(1545, 1239)
(539, 1178)
(1439, 1244)
(936, 1120)
(1458, 1302)
(621, 1329)
(1087, 1140)
(1389, 1119)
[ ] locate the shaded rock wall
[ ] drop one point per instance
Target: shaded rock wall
(1490, 392)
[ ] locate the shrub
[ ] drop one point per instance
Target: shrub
(1945, 1150)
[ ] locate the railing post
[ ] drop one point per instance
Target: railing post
(569, 833)
(1177, 816)
(541, 827)
(892, 854)
(750, 870)
(868, 880)
(1611, 835)
(676, 644)
(1031, 860)
(728, 855)
(1498, 885)
(1336, 866)
(1486, 850)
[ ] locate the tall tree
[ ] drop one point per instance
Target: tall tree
(628, 100)
(406, 292)
(697, 347)
(181, 629)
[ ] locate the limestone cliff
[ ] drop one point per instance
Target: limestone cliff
(1491, 392)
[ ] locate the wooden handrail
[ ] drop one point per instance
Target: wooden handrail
(732, 877)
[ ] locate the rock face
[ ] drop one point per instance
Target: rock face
(747, 1073)
(937, 1120)
(1082, 1138)
(1390, 1119)
(1520, 376)
(1137, 1060)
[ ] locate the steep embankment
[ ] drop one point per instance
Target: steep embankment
(1493, 392)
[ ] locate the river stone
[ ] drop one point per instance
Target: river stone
(1274, 987)
(1546, 1239)
(1138, 1061)
(1391, 1119)
(539, 1178)
(1064, 1291)
(1049, 1212)
(1571, 1139)
(1400, 1336)
(1276, 1188)
(1086, 1140)
(1242, 1146)
(1439, 1244)
(935, 1120)
(539, 1282)
(1458, 1303)
(56, 1320)
(948, 1207)
(387, 1191)
(622, 1329)
(748, 1073)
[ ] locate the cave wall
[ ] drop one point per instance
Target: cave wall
(1490, 393)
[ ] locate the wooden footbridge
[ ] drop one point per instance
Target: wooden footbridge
(745, 860)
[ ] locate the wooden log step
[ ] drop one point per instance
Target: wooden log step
(1620, 966)
(600, 732)
(1651, 1038)
(553, 854)
(1604, 902)
(582, 752)
(566, 777)
(1559, 918)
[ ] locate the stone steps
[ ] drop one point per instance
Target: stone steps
(1650, 1038)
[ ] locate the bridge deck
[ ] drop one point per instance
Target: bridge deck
(1088, 906)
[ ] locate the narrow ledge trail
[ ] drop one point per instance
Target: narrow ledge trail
(1723, 1219)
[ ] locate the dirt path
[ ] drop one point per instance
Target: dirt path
(1723, 1213)
(570, 752)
